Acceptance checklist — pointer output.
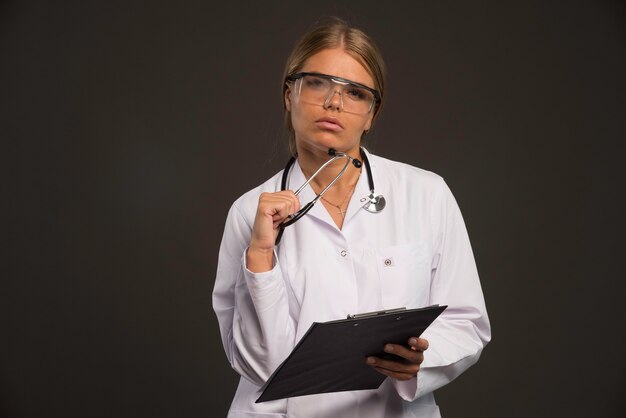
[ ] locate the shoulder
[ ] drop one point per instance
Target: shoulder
(415, 190)
(401, 175)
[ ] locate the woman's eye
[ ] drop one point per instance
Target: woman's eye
(356, 94)
(314, 82)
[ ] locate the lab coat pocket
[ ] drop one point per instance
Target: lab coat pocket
(404, 272)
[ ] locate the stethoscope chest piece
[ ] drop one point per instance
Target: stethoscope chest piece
(375, 204)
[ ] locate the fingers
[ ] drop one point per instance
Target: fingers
(397, 369)
(272, 210)
(408, 363)
(278, 205)
(408, 360)
(418, 344)
(406, 353)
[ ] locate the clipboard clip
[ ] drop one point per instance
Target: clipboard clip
(375, 313)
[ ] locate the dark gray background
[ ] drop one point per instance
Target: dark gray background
(128, 128)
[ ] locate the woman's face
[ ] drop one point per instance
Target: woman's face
(319, 127)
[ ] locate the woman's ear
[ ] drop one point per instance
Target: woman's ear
(288, 97)
(368, 124)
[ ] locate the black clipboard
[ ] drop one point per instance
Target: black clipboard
(330, 357)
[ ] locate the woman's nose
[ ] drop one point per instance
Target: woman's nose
(334, 100)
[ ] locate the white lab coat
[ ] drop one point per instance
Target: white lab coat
(414, 253)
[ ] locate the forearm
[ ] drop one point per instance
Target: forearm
(457, 338)
(259, 260)
(453, 347)
(252, 308)
(263, 329)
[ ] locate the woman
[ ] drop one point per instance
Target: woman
(340, 258)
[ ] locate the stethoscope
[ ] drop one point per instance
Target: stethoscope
(374, 203)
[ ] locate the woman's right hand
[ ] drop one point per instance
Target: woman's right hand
(273, 210)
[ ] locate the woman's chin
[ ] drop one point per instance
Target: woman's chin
(324, 142)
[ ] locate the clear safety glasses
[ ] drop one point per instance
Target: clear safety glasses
(320, 89)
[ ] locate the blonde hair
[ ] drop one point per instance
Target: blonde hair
(334, 34)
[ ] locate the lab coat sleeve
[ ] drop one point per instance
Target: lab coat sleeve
(458, 336)
(252, 309)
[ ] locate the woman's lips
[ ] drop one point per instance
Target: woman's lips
(329, 124)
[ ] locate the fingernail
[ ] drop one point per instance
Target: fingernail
(389, 347)
(370, 360)
(413, 341)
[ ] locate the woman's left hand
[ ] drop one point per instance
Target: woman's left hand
(409, 363)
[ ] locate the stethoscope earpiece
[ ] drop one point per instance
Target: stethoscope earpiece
(356, 162)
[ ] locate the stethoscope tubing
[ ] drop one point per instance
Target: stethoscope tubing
(343, 170)
(334, 156)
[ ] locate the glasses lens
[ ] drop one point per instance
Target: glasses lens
(318, 90)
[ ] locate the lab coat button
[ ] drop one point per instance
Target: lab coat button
(343, 253)
(388, 262)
